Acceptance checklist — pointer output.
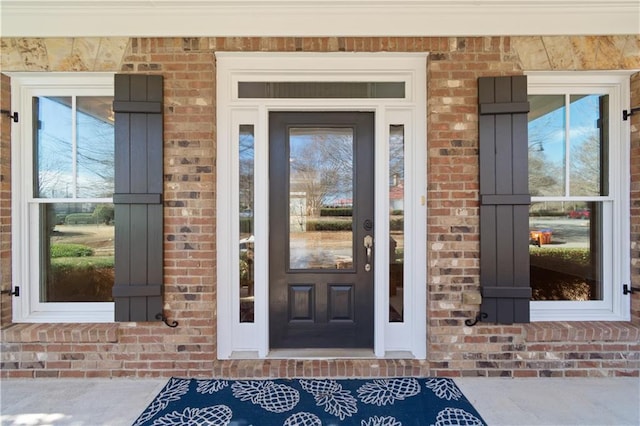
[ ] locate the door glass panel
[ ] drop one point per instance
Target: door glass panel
(320, 198)
(396, 222)
(246, 237)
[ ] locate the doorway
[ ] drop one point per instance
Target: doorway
(305, 294)
(321, 169)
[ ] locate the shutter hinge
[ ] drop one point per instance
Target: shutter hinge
(13, 116)
(626, 113)
(477, 319)
(164, 319)
(15, 292)
(627, 289)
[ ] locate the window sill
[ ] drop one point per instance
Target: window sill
(581, 331)
(48, 333)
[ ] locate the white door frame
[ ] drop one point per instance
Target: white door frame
(251, 340)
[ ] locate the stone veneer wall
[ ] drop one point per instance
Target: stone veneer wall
(188, 65)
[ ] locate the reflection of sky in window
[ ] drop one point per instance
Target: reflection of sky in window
(584, 115)
(547, 132)
(83, 168)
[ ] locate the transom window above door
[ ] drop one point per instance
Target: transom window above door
(321, 89)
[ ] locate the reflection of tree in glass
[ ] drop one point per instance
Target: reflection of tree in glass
(322, 168)
(95, 158)
(92, 150)
(585, 167)
(246, 165)
(545, 177)
(396, 155)
(546, 161)
(53, 181)
(51, 147)
(588, 139)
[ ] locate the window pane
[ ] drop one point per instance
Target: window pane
(77, 252)
(320, 198)
(589, 145)
(246, 184)
(52, 149)
(68, 163)
(95, 147)
(547, 145)
(396, 223)
(566, 250)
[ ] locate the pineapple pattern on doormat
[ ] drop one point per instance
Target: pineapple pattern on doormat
(402, 401)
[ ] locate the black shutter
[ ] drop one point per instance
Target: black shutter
(137, 290)
(504, 199)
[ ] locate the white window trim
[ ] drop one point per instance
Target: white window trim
(251, 340)
(615, 306)
(25, 269)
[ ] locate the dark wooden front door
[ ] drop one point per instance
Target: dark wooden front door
(321, 171)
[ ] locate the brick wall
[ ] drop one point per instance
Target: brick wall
(188, 66)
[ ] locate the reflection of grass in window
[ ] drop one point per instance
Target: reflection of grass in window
(574, 256)
(82, 278)
(93, 262)
(331, 224)
(70, 250)
(562, 274)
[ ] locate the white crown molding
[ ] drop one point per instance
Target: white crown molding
(209, 18)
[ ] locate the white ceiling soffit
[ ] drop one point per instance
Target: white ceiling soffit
(192, 18)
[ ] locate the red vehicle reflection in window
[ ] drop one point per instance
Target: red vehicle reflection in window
(579, 214)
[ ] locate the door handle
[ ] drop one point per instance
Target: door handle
(368, 245)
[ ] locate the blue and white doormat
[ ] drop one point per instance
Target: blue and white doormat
(403, 401)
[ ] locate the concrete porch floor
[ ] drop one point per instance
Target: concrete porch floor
(500, 401)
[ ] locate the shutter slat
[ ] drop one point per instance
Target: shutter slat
(139, 107)
(507, 292)
(138, 286)
(504, 154)
(505, 243)
(138, 172)
(487, 154)
(137, 198)
(512, 199)
(504, 199)
(489, 233)
(504, 108)
(138, 235)
(155, 163)
(138, 290)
